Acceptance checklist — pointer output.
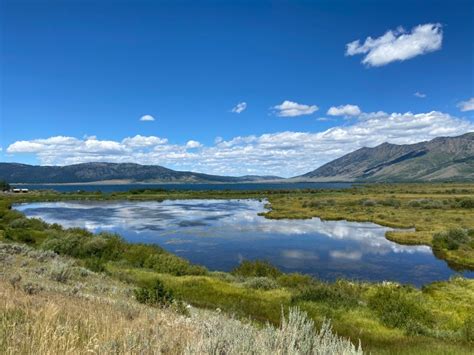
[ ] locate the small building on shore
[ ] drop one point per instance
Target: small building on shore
(17, 191)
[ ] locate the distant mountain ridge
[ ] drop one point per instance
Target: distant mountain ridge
(97, 172)
(441, 159)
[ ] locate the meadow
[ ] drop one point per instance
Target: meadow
(385, 317)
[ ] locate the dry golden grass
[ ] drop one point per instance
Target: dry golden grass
(52, 323)
(85, 312)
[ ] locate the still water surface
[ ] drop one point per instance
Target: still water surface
(221, 233)
(190, 187)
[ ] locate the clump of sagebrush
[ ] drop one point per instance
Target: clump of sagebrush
(60, 271)
(426, 204)
(261, 283)
(368, 203)
(256, 268)
(295, 335)
(318, 203)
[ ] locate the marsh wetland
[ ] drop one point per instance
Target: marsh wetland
(311, 238)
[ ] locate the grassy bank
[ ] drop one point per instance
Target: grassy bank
(386, 317)
(51, 305)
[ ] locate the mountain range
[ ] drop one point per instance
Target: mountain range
(441, 159)
(112, 172)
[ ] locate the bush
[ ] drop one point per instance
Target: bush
(101, 248)
(261, 283)
(466, 203)
(33, 223)
(368, 203)
(468, 329)
(340, 293)
(391, 202)
(94, 264)
(4, 186)
(451, 240)
(28, 236)
(256, 268)
(295, 281)
(401, 308)
(59, 271)
(157, 295)
(426, 203)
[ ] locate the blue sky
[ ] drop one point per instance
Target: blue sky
(77, 76)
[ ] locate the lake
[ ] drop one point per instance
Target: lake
(221, 233)
(189, 187)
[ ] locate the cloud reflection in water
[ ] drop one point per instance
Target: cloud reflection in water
(220, 233)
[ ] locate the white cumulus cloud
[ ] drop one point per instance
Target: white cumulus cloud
(193, 144)
(146, 118)
(467, 105)
(240, 107)
(293, 109)
(398, 45)
(344, 110)
(282, 153)
(420, 95)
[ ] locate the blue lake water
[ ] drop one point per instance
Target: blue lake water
(191, 187)
(221, 233)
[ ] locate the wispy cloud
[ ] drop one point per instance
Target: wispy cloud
(420, 95)
(146, 118)
(398, 45)
(283, 153)
(293, 109)
(240, 107)
(467, 105)
(344, 110)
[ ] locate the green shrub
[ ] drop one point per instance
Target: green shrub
(468, 329)
(426, 203)
(171, 264)
(157, 295)
(28, 236)
(94, 264)
(401, 307)
(466, 203)
(4, 186)
(295, 281)
(256, 268)
(391, 202)
(340, 293)
(451, 240)
(261, 283)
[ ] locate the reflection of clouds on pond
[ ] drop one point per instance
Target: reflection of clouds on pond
(215, 219)
(299, 254)
(347, 255)
(221, 233)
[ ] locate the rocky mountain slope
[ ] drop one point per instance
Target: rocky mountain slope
(441, 159)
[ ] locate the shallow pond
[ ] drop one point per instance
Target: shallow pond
(221, 233)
